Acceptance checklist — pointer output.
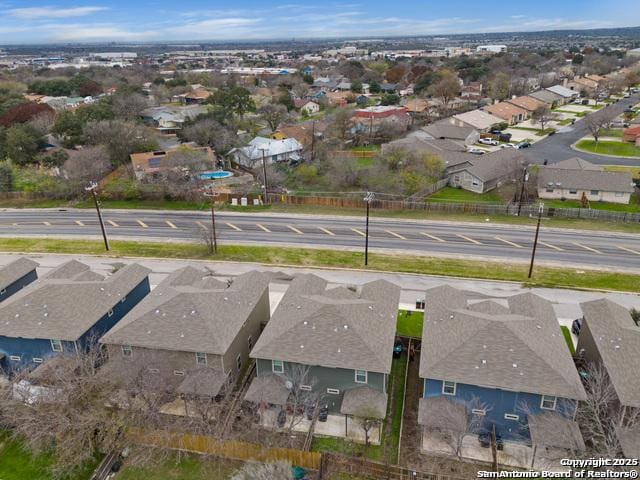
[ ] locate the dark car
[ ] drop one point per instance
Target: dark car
(323, 414)
(523, 145)
(576, 325)
(397, 349)
(495, 131)
(485, 440)
(504, 137)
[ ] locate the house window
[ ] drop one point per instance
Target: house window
(239, 362)
(56, 345)
(277, 366)
(618, 194)
(548, 402)
(37, 360)
(511, 416)
(479, 411)
(305, 388)
(573, 192)
(126, 350)
(361, 376)
(333, 391)
(549, 190)
(595, 192)
(448, 388)
(250, 342)
(179, 373)
(201, 358)
(110, 313)
(475, 183)
(14, 358)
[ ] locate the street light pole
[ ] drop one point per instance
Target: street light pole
(535, 240)
(264, 173)
(92, 188)
(370, 197)
(213, 195)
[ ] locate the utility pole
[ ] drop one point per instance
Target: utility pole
(264, 173)
(370, 197)
(525, 177)
(535, 240)
(213, 195)
(92, 188)
(313, 140)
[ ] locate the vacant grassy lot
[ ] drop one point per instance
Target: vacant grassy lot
(543, 276)
(410, 323)
(619, 149)
(455, 195)
(183, 467)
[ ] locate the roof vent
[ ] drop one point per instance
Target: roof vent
(301, 346)
(102, 289)
(305, 322)
(46, 314)
(182, 335)
(17, 315)
(515, 365)
(157, 310)
(484, 346)
(370, 307)
(617, 347)
(346, 327)
(484, 362)
(538, 326)
(226, 298)
(193, 312)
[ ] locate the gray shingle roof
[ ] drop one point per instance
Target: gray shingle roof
(575, 163)
(62, 305)
(335, 328)
(522, 350)
(191, 311)
(446, 130)
(617, 339)
(546, 96)
(629, 438)
(490, 166)
(15, 270)
(581, 175)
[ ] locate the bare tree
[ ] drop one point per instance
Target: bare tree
(88, 164)
(542, 115)
(367, 418)
(302, 394)
(499, 86)
(129, 106)
(596, 121)
(445, 89)
(264, 471)
(273, 114)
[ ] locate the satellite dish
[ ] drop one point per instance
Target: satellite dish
(288, 384)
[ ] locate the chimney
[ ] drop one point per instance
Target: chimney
(564, 82)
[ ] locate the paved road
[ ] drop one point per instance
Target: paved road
(508, 242)
(558, 147)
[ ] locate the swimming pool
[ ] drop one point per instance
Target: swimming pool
(214, 175)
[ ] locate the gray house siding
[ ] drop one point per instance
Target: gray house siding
(18, 285)
(330, 378)
(463, 179)
(501, 402)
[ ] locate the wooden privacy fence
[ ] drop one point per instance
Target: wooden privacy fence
(227, 449)
(332, 463)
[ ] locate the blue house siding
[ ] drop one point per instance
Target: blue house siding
(18, 285)
(29, 348)
(500, 402)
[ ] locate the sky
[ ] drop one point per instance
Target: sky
(29, 21)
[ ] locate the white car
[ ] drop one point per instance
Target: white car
(508, 145)
(476, 151)
(488, 141)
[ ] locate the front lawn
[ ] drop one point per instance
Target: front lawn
(568, 339)
(538, 131)
(632, 207)
(457, 195)
(635, 171)
(606, 147)
(410, 323)
(611, 132)
(391, 429)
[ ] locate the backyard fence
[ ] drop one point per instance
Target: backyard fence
(235, 450)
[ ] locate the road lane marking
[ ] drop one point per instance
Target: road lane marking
(630, 250)
(433, 237)
(551, 246)
(513, 244)
(231, 225)
(587, 248)
(359, 232)
(202, 225)
(397, 235)
(80, 223)
(464, 237)
(112, 223)
(48, 224)
(171, 224)
(328, 232)
(262, 227)
(142, 224)
(294, 229)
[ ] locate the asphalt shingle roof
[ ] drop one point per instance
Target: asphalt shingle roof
(64, 304)
(579, 174)
(191, 311)
(335, 328)
(15, 270)
(522, 350)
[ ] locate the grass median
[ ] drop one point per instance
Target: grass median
(288, 256)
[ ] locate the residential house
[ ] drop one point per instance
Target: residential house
(193, 331)
(185, 159)
(196, 97)
(609, 337)
(503, 361)
(339, 98)
(16, 275)
(303, 132)
(527, 103)
(508, 112)
(66, 310)
(451, 129)
(566, 93)
(272, 151)
(310, 108)
(472, 91)
(369, 120)
(632, 134)
(170, 119)
(480, 120)
(416, 105)
(547, 96)
(482, 173)
(577, 179)
(342, 338)
(582, 84)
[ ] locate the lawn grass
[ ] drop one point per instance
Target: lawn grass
(568, 339)
(455, 195)
(632, 207)
(564, 122)
(410, 323)
(635, 171)
(391, 429)
(288, 256)
(606, 147)
(611, 132)
(538, 131)
(184, 467)
(17, 463)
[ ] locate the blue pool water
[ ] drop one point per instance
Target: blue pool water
(214, 175)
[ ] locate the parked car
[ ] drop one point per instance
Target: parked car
(495, 131)
(282, 418)
(323, 414)
(524, 144)
(485, 440)
(504, 137)
(488, 141)
(476, 151)
(576, 325)
(508, 145)
(397, 349)
(627, 95)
